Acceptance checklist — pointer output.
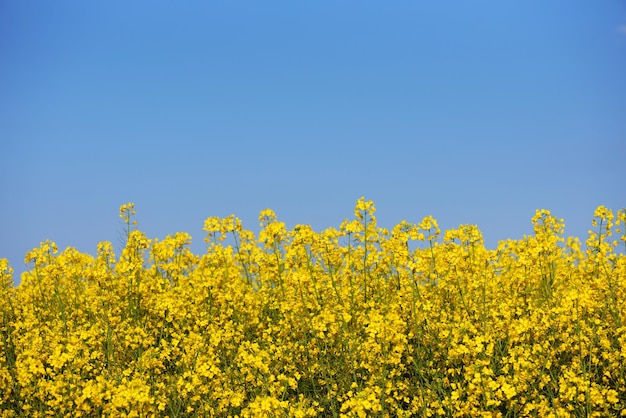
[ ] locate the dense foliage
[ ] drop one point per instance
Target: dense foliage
(355, 321)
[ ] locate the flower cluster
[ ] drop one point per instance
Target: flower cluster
(352, 321)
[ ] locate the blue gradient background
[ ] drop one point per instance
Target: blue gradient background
(473, 112)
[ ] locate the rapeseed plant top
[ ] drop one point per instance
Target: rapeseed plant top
(352, 321)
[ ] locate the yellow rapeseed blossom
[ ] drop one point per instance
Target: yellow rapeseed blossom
(352, 321)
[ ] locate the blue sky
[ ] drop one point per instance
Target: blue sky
(473, 112)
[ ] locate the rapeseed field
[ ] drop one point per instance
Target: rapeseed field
(352, 321)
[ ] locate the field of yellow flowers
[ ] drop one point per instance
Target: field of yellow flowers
(350, 322)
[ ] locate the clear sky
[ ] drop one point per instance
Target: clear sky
(474, 112)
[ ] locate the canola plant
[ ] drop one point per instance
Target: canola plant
(354, 321)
